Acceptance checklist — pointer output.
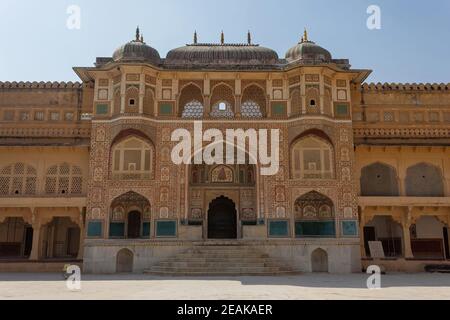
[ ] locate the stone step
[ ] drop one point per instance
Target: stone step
(220, 260)
(219, 264)
(207, 270)
(225, 255)
(219, 273)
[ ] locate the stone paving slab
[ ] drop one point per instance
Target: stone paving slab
(146, 287)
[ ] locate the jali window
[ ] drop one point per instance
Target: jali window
(64, 179)
(132, 160)
(312, 158)
(18, 179)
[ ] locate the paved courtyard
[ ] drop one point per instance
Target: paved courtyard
(307, 286)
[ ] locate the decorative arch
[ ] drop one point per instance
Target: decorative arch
(312, 156)
(312, 100)
(64, 179)
(130, 214)
(117, 101)
(319, 261)
(124, 261)
(190, 101)
(149, 102)
(327, 102)
(18, 179)
(132, 158)
(222, 93)
(424, 180)
(254, 102)
(314, 206)
(132, 100)
(296, 102)
(379, 179)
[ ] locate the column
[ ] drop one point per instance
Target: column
(362, 224)
(34, 255)
(406, 225)
(81, 245)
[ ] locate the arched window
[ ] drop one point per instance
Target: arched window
(132, 100)
(424, 180)
(254, 99)
(149, 102)
(250, 109)
(296, 102)
(64, 179)
(132, 160)
(222, 109)
(18, 179)
(312, 158)
(117, 102)
(222, 101)
(190, 102)
(314, 206)
(193, 110)
(314, 216)
(379, 179)
(312, 98)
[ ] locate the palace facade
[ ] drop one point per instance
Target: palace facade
(86, 174)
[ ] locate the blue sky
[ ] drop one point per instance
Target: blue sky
(412, 46)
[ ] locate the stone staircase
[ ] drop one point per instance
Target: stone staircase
(221, 260)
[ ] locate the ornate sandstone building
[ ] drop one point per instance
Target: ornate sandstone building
(86, 174)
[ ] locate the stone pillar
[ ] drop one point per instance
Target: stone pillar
(406, 225)
(141, 93)
(34, 255)
(362, 224)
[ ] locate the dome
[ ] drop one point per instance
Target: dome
(308, 51)
(222, 54)
(137, 51)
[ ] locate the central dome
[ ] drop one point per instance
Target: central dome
(222, 54)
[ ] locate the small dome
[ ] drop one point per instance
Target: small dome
(308, 51)
(137, 51)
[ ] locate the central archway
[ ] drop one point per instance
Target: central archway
(222, 219)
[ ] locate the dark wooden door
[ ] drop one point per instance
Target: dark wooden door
(446, 244)
(369, 235)
(134, 225)
(73, 241)
(28, 241)
(222, 220)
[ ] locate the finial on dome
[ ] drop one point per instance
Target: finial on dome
(142, 38)
(195, 37)
(222, 38)
(249, 37)
(305, 36)
(138, 32)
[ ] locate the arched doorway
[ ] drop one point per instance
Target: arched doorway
(222, 219)
(319, 261)
(134, 225)
(124, 261)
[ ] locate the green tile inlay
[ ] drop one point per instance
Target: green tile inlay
(278, 228)
(146, 229)
(315, 229)
(101, 109)
(94, 229)
(349, 228)
(116, 230)
(342, 110)
(165, 109)
(166, 228)
(278, 109)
